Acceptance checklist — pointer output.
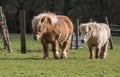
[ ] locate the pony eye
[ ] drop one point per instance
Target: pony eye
(38, 30)
(85, 32)
(39, 27)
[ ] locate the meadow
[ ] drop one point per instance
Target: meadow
(78, 64)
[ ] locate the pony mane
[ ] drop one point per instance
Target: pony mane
(89, 23)
(36, 19)
(52, 16)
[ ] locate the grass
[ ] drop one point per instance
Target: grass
(31, 64)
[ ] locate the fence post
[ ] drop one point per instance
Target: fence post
(6, 35)
(23, 31)
(110, 41)
(77, 34)
(1, 19)
(5, 32)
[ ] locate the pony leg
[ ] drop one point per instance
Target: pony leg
(91, 53)
(45, 48)
(104, 51)
(97, 52)
(64, 50)
(66, 47)
(55, 49)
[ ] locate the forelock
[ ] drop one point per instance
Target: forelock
(84, 27)
(36, 19)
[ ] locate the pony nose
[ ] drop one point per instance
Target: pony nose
(35, 37)
(82, 41)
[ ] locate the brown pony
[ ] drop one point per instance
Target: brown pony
(54, 29)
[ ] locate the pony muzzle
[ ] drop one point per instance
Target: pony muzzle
(36, 37)
(82, 41)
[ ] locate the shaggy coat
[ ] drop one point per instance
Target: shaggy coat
(95, 35)
(54, 29)
(1, 23)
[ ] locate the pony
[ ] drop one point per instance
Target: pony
(97, 36)
(53, 29)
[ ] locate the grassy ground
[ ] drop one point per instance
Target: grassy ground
(31, 64)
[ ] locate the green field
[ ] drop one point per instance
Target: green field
(31, 64)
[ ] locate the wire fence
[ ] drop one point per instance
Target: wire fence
(115, 32)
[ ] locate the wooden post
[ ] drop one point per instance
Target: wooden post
(7, 44)
(110, 41)
(77, 34)
(23, 31)
(5, 33)
(1, 18)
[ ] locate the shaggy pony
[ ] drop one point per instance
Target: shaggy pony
(95, 35)
(54, 29)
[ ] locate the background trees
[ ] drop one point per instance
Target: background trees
(82, 9)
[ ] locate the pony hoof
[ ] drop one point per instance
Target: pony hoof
(63, 57)
(45, 58)
(102, 57)
(96, 57)
(56, 57)
(91, 57)
(10, 51)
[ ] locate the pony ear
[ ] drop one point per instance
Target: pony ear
(48, 20)
(42, 20)
(52, 21)
(90, 27)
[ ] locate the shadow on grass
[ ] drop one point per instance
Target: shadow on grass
(21, 59)
(34, 58)
(31, 51)
(34, 50)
